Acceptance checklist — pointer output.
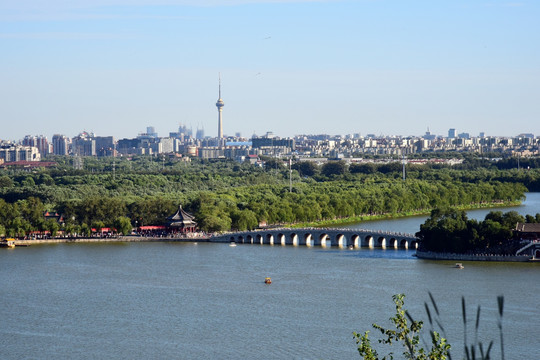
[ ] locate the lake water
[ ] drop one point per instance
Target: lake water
(208, 301)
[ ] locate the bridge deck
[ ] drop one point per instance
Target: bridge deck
(322, 237)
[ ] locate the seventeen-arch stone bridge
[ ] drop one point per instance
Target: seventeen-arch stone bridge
(324, 237)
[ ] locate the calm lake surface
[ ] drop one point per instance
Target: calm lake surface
(208, 301)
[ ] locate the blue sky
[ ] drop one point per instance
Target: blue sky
(389, 67)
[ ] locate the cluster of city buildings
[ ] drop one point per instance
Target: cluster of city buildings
(184, 144)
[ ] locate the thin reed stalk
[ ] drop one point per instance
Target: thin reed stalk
(500, 302)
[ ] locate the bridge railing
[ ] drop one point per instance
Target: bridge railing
(314, 229)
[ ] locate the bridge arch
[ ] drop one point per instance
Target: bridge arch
(293, 239)
(269, 239)
(324, 239)
(368, 241)
(281, 239)
(393, 243)
(356, 241)
(341, 240)
(259, 239)
(308, 239)
(404, 244)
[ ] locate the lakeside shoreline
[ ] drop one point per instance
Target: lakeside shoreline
(117, 239)
(424, 255)
(429, 255)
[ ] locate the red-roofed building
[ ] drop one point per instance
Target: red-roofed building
(54, 216)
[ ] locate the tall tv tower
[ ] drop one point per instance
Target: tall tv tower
(220, 104)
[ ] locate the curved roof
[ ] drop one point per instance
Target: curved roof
(181, 219)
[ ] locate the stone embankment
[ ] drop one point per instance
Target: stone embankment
(472, 257)
(113, 239)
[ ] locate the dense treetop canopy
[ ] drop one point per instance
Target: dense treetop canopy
(226, 195)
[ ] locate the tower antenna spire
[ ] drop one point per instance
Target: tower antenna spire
(219, 76)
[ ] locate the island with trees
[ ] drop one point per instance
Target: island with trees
(449, 234)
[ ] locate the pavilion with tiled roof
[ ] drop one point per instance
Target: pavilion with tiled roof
(54, 216)
(528, 231)
(181, 221)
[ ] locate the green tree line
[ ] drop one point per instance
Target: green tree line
(450, 230)
(228, 195)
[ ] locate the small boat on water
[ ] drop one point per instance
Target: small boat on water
(459, 266)
(9, 243)
(267, 280)
(232, 244)
(350, 247)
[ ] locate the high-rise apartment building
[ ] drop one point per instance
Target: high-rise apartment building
(84, 145)
(60, 144)
(40, 142)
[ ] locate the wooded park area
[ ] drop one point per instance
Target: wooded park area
(225, 195)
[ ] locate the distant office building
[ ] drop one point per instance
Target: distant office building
(84, 145)
(211, 152)
(482, 134)
(452, 133)
(200, 134)
(60, 144)
(151, 131)
(128, 146)
(167, 146)
(177, 135)
(149, 134)
(272, 142)
(183, 129)
(429, 136)
(183, 134)
(105, 146)
(10, 153)
(464, 136)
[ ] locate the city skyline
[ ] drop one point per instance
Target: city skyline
(114, 67)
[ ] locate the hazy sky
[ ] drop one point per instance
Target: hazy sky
(390, 67)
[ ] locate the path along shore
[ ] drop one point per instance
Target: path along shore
(112, 239)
